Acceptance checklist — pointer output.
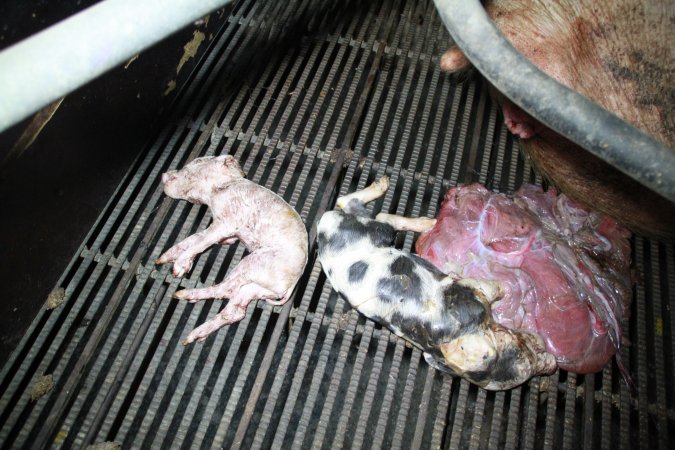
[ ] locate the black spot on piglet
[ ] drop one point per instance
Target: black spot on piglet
(402, 266)
(357, 271)
(351, 230)
(462, 303)
(400, 288)
(415, 329)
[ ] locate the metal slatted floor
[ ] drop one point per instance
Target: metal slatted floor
(315, 99)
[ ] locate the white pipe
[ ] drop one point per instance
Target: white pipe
(58, 60)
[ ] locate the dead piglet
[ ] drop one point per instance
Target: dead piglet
(448, 319)
(270, 228)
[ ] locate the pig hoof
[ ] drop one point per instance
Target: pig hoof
(231, 314)
(179, 271)
(161, 260)
(191, 340)
(521, 130)
(382, 185)
(195, 295)
(183, 295)
(182, 266)
(200, 333)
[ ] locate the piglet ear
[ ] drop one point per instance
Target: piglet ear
(231, 163)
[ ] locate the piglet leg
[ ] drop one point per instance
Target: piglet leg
(228, 288)
(221, 290)
(261, 269)
(370, 193)
(416, 224)
(233, 312)
(184, 253)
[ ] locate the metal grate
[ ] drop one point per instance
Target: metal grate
(294, 90)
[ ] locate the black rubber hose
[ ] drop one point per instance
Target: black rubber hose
(600, 132)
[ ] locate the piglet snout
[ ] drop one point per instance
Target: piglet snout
(168, 176)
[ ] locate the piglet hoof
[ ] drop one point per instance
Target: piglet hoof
(162, 259)
(229, 315)
(181, 267)
(194, 295)
(382, 185)
(186, 294)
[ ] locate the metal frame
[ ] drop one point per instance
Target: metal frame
(58, 60)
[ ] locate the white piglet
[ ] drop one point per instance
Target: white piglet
(270, 228)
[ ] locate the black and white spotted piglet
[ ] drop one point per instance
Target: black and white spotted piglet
(448, 319)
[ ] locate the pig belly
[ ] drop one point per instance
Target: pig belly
(619, 55)
(597, 185)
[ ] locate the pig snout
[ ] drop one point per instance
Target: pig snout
(167, 177)
(172, 184)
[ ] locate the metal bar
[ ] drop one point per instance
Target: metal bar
(443, 404)
(530, 414)
(497, 425)
(311, 397)
(351, 404)
(264, 425)
(53, 63)
(462, 127)
(409, 98)
(70, 386)
(640, 299)
(423, 411)
(489, 137)
(656, 328)
(104, 407)
(570, 440)
(369, 397)
(588, 412)
(459, 418)
(600, 132)
(551, 411)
